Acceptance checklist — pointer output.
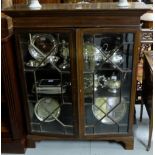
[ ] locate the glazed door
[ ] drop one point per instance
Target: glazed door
(106, 82)
(47, 60)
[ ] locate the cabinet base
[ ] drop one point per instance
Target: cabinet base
(30, 143)
(13, 146)
(126, 141)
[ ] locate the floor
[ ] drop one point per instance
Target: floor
(96, 148)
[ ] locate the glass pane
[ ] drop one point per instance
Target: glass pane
(47, 68)
(107, 81)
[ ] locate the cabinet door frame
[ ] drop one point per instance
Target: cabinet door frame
(80, 33)
(22, 79)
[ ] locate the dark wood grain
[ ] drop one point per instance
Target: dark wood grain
(79, 82)
(19, 2)
(14, 141)
(49, 1)
(147, 91)
(41, 1)
(134, 81)
(68, 15)
(78, 7)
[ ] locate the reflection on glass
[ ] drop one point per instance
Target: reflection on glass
(48, 82)
(108, 110)
(107, 73)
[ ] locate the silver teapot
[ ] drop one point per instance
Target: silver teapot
(99, 81)
(113, 83)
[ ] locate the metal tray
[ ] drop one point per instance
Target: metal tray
(47, 109)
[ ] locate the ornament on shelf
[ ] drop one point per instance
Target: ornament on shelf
(34, 4)
(123, 3)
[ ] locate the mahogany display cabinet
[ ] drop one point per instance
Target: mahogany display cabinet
(77, 70)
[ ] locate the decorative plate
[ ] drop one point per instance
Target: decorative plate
(104, 105)
(47, 109)
(41, 44)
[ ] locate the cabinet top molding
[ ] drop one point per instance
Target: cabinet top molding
(77, 15)
(76, 8)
